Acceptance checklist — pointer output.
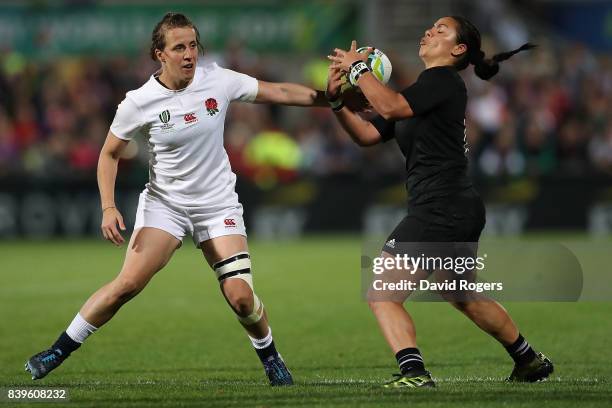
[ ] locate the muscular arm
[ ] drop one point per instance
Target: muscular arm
(289, 94)
(361, 131)
(388, 103)
(107, 168)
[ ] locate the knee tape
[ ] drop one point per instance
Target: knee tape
(238, 266)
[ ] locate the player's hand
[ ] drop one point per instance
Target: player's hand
(343, 60)
(111, 219)
(335, 80)
(353, 99)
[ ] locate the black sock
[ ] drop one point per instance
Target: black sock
(520, 351)
(65, 345)
(266, 352)
(410, 361)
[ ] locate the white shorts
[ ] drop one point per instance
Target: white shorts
(201, 222)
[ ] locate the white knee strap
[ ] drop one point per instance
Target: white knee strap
(235, 265)
(256, 315)
(238, 266)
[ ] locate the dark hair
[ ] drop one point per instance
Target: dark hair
(170, 20)
(485, 68)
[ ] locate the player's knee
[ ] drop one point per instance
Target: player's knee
(377, 306)
(468, 308)
(124, 289)
(234, 274)
(239, 295)
(373, 305)
(242, 305)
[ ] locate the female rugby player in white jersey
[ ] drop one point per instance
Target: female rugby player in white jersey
(180, 111)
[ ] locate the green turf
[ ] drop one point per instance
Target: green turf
(177, 344)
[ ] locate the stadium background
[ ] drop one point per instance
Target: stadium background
(541, 153)
(540, 131)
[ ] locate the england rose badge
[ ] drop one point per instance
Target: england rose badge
(211, 106)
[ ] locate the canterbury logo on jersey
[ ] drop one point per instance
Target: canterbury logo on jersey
(229, 222)
(190, 117)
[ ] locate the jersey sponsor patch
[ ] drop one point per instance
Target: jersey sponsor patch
(391, 243)
(229, 222)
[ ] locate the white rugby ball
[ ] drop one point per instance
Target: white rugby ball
(379, 64)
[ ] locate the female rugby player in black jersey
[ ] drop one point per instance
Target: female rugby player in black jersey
(427, 121)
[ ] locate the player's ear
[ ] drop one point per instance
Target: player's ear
(458, 50)
(160, 55)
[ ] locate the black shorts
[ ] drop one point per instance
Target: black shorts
(441, 239)
(456, 218)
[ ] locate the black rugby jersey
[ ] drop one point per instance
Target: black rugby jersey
(433, 140)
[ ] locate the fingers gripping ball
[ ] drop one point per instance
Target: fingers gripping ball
(378, 63)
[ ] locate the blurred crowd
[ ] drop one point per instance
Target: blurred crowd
(548, 111)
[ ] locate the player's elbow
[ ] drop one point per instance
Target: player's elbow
(367, 139)
(386, 114)
(107, 154)
(396, 108)
(113, 151)
(367, 136)
(113, 148)
(393, 113)
(365, 142)
(282, 94)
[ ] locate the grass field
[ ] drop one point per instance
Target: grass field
(177, 344)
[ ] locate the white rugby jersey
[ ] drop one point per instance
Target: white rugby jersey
(188, 166)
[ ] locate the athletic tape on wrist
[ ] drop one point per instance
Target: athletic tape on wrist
(337, 104)
(358, 68)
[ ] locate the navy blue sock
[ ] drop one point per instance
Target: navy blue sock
(266, 352)
(410, 361)
(65, 345)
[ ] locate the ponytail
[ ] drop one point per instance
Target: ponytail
(484, 68)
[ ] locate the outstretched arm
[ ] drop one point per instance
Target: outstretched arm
(289, 94)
